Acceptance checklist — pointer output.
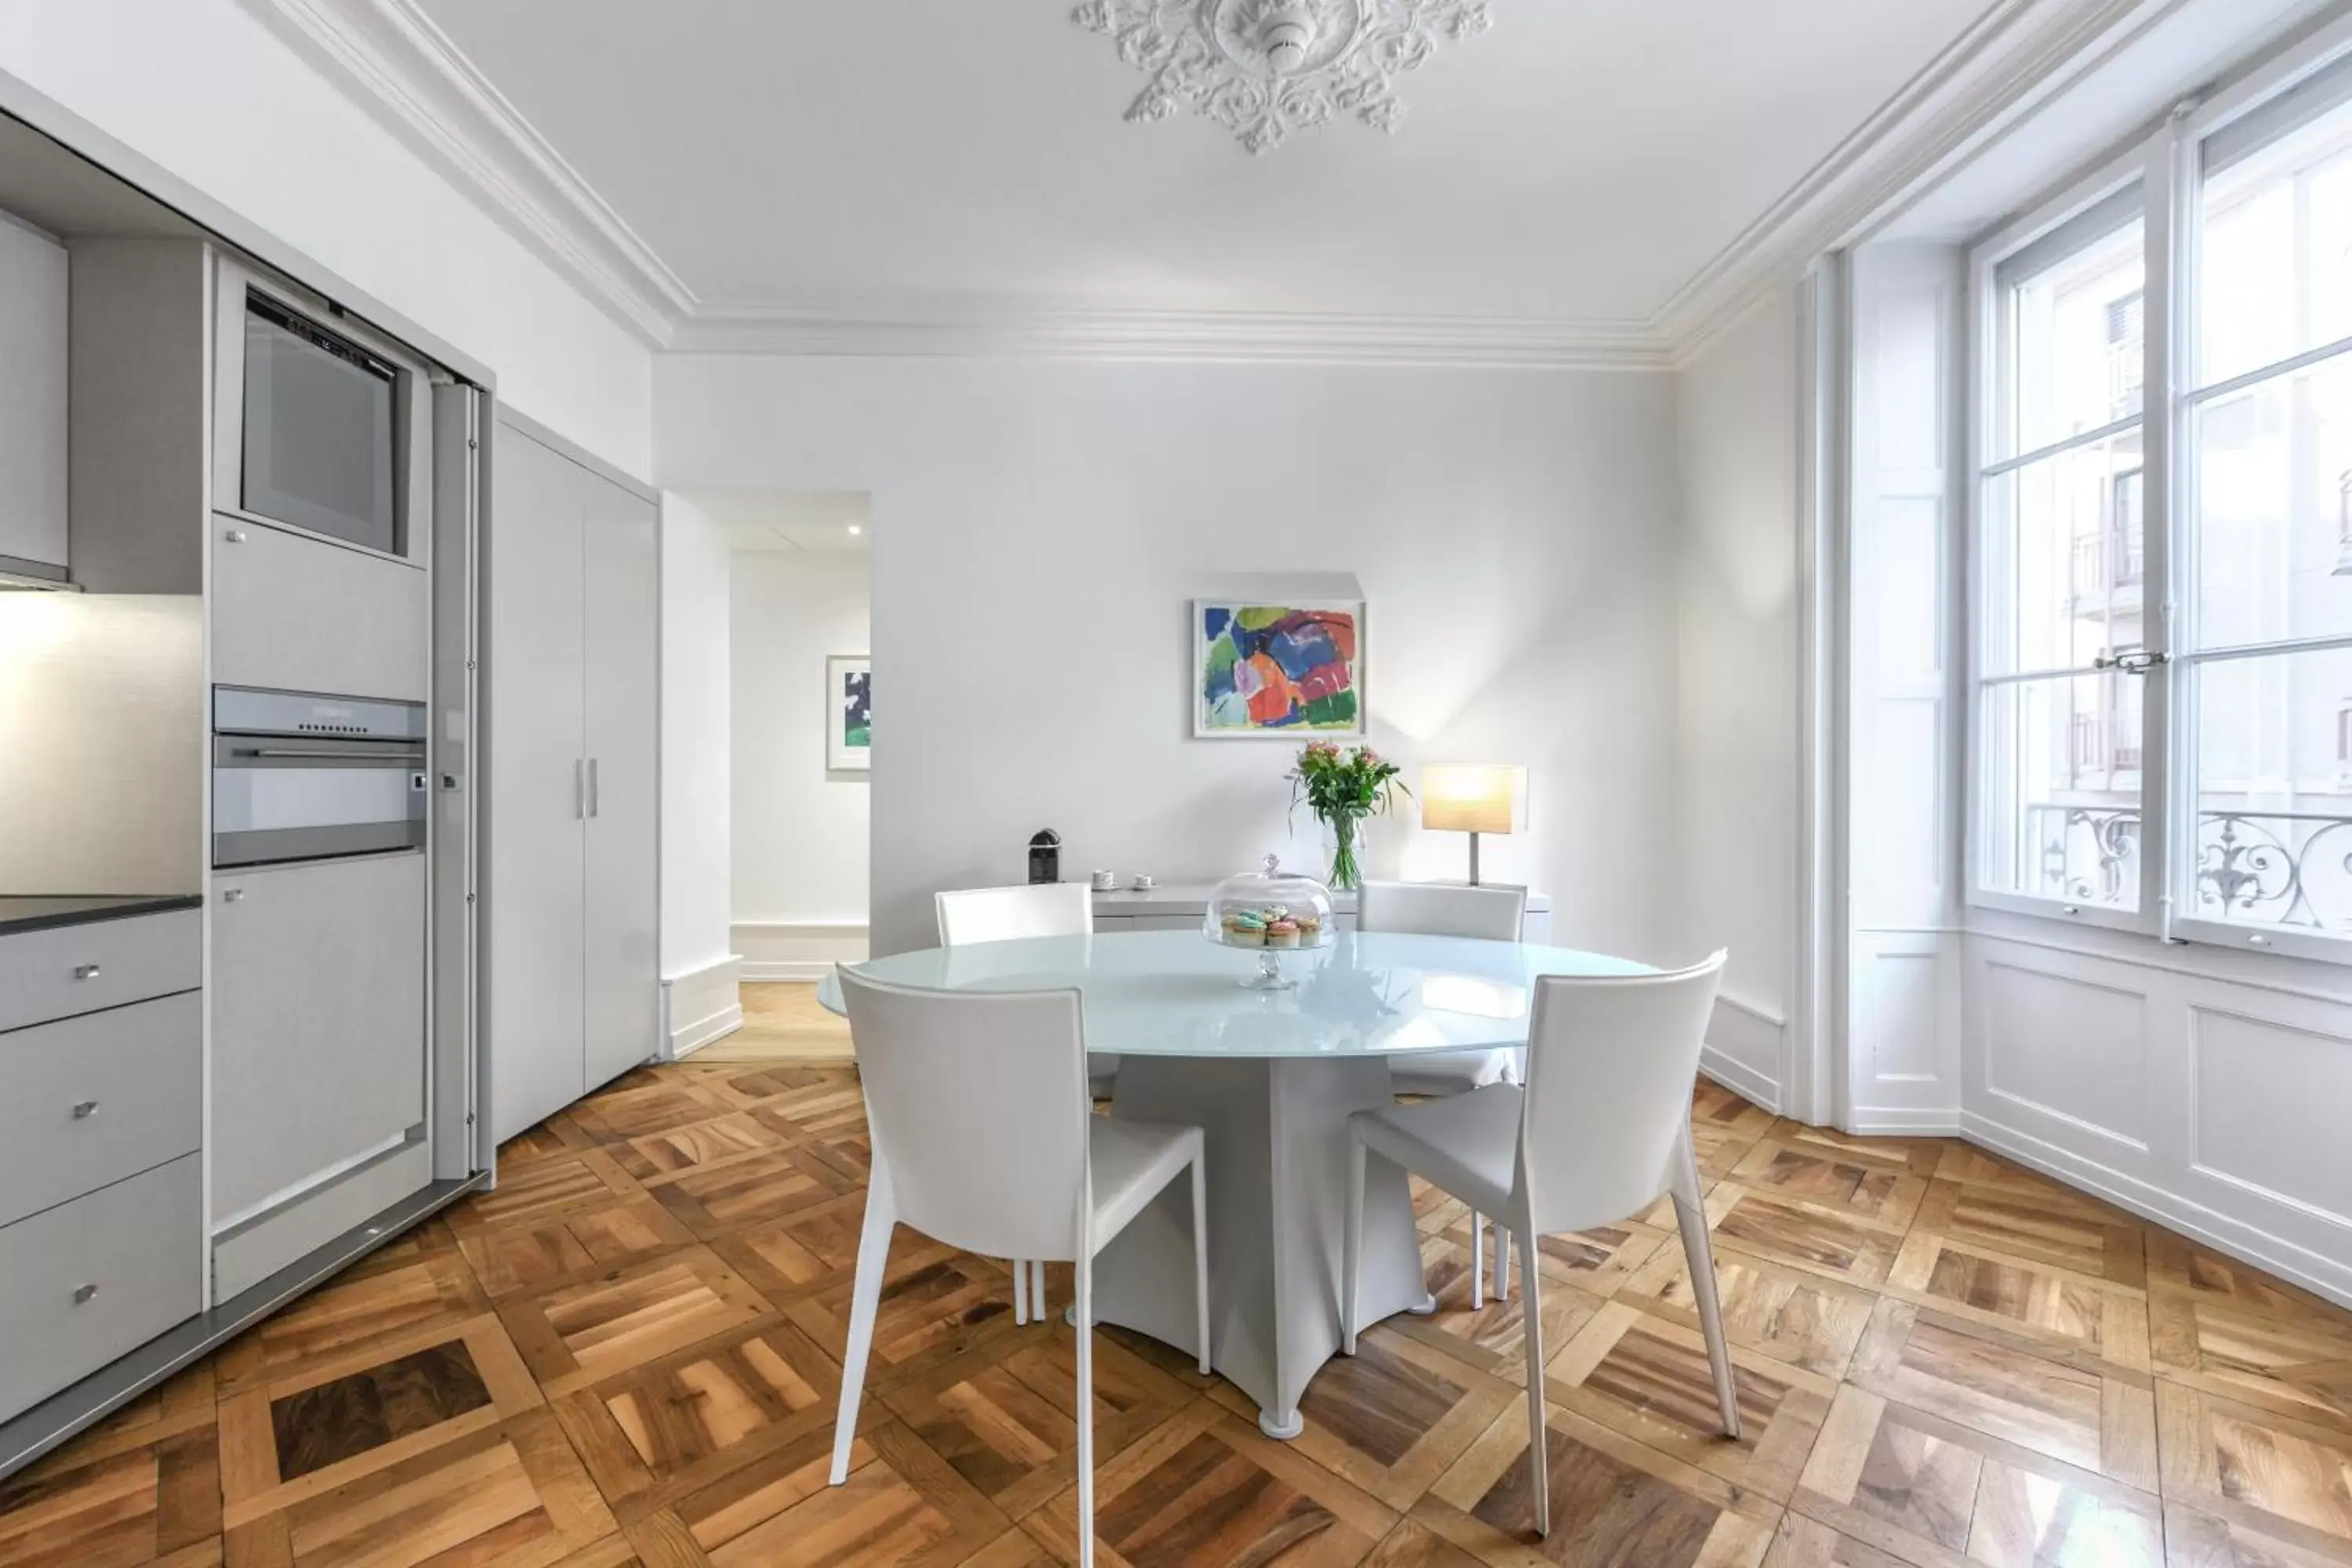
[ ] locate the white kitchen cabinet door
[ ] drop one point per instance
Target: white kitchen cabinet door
(535, 882)
(318, 1004)
(32, 379)
(621, 904)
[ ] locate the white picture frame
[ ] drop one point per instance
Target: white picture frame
(848, 698)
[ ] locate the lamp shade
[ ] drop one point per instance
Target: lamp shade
(1473, 797)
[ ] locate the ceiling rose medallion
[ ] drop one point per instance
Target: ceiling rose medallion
(1264, 68)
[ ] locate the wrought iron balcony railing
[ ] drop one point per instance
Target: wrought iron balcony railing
(2254, 867)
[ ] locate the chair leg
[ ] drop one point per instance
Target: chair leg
(865, 1300)
(1086, 1325)
(1200, 1257)
(1037, 1289)
(1020, 1292)
(1531, 1315)
(1503, 1262)
(1351, 1260)
(1477, 1260)
(1698, 1253)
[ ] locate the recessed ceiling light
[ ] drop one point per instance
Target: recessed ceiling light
(854, 528)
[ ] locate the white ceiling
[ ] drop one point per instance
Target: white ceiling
(823, 522)
(1580, 162)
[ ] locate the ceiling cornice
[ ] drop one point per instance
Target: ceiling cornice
(393, 60)
(1231, 337)
(388, 55)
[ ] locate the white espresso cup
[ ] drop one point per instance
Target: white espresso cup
(1105, 882)
(1145, 884)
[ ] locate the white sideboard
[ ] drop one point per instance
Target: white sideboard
(1182, 906)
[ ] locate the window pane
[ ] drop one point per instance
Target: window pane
(2060, 763)
(2078, 358)
(2274, 522)
(2272, 740)
(2064, 559)
(2276, 269)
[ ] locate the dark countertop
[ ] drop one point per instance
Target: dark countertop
(20, 912)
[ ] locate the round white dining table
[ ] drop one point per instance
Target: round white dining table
(1271, 1078)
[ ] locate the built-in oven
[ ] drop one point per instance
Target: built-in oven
(301, 776)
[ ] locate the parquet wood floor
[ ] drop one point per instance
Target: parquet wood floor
(627, 1355)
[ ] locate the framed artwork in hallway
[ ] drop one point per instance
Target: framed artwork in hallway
(1278, 669)
(849, 713)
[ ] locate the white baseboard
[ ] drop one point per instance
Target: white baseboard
(2322, 1276)
(1742, 1079)
(700, 1005)
(1903, 1122)
(800, 971)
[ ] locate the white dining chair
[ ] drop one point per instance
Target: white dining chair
(1600, 1128)
(970, 915)
(984, 1138)
(1453, 909)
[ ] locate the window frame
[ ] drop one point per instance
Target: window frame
(1990, 338)
(2168, 164)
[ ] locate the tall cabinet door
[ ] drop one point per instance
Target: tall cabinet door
(623, 949)
(535, 882)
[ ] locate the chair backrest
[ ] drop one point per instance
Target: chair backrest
(1006, 914)
(1440, 909)
(977, 1105)
(1610, 1062)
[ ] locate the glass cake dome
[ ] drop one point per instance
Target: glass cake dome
(1269, 912)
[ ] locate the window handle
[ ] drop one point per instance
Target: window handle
(2133, 660)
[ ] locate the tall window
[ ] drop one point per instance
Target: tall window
(2192, 582)
(2062, 553)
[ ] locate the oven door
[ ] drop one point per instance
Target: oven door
(278, 798)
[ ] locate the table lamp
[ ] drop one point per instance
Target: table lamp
(1474, 798)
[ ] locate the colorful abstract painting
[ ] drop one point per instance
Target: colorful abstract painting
(1278, 669)
(849, 728)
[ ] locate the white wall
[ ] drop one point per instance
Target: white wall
(800, 832)
(1736, 706)
(206, 92)
(696, 744)
(1039, 527)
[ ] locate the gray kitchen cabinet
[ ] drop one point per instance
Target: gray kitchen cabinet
(319, 1041)
(60, 971)
(85, 1281)
(290, 613)
(573, 962)
(87, 1101)
(33, 293)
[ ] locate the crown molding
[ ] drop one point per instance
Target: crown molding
(2012, 60)
(391, 59)
(1208, 337)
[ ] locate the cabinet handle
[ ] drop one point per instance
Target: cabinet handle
(83, 1294)
(580, 787)
(235, 536)
(233, 896)
(85, 1111)
(596, 792)
(85, 972)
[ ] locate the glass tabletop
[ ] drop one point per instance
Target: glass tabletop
(1174, 994)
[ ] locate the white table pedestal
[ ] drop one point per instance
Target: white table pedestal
(1277, 1179)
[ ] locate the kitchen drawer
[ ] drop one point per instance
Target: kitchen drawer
(86, 1281)
(87, 1101)
(59, 971)
(294, 613)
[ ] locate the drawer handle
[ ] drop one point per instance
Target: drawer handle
(85, 1111)
(233, 896)
(83, 1293)
(85, 972)
(235, 536)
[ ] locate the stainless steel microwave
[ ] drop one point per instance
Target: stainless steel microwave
(301, 776)
(316, 420)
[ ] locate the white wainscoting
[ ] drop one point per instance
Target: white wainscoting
(2213, 1104)
(800, 951)
(1906, 1028)
(701, 1006)
(1743, 1051)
